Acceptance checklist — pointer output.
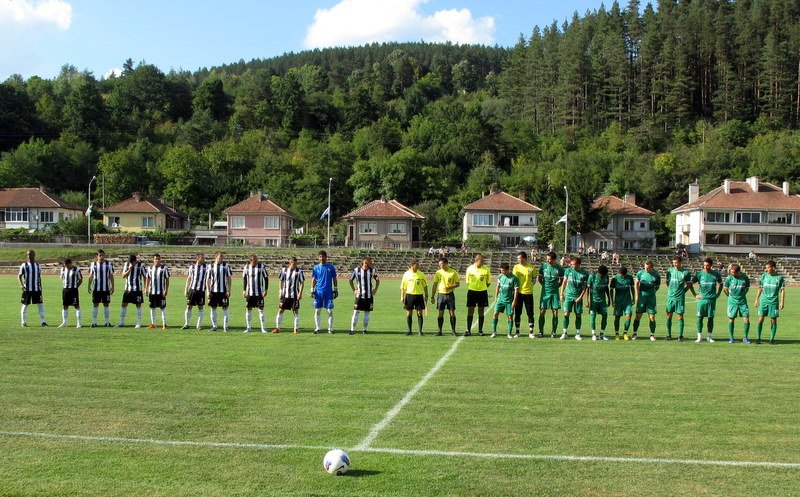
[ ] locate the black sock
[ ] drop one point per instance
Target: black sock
(469, 322)
(419, 322)
(440, 322)
(480, 323)
(453, 323)
(409, 321)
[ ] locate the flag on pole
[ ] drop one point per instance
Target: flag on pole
(89, 211)
(563, 219)
(326, 212)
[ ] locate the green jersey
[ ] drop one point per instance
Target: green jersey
(677, 279)
(708, 281)
(737, 289)
(576, 282)
(622, 286)
(551, 278)
(506, 286)
(649, 281)
(771, 288)
(598, 288)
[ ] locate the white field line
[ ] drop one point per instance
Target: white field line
(411, 452)
(394, 411)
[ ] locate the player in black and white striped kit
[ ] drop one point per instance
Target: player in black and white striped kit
(292, 281)
(361, 282)
(101, 286)
(133, 272)
(30, 280)
(71, 279)
(195, 291)
(218, 284)
(156, 286)
(256, 284)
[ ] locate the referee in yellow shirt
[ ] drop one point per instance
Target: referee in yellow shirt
(414, 294)
(444, 282)
(526, 274)
(478, 278)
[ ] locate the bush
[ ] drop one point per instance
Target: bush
(478, 243)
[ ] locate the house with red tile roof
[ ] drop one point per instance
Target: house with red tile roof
(259, 221)
(507, 218)
(628, 226)
(383, 224)
(142, 213)
(740, 217)
(33, 208)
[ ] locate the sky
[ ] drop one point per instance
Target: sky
(37, 37)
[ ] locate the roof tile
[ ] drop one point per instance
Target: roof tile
(386, 209)
(501, 201)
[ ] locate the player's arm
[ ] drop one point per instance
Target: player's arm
(376, 285)
(516, 297)
(562, 288)
(166, 285)
(313, 286)
(612, 293)
(436, 280)
(608, 295)
(758, 295)
(583, 293)
(425, 291)
(126, 269)
(244, 283)
(690, 287)
(91, 279)
(352, 285)
(636, 290)
(229, 283)
(783, 297)
(496, 290)
(403, 289)
(265, 277)
(719, 287)
(186, 285)
(147, 283)
(80, 278)
(300, 290)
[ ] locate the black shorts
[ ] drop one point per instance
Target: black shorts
(479, 298)
(132, 297)
(218, 299)
(415, 302)
(289, 304)
(158, 301)
(99, 297)
(29, 298)
(256, 301)
(69, 297)
(446, 301)
(524, 300)
(363, 304)
(196, 297)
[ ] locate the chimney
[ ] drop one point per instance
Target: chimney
(42, 188)
(786, 188)
(726, 186)
(629, 198)
(753, 182)
(522, 196)
(260, 195)
(137, 196)
(694, 191)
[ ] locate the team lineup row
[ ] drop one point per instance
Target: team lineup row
(572, 288)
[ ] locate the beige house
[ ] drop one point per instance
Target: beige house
(383, 224)
(628, 226)
(509, 219)
(258, 220)
(33, 208)
(142, 213)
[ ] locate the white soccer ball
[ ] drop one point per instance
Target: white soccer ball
(336, 462)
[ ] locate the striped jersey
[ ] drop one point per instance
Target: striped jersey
(363, 278)
(101, 274)
(31, 275)
(158, 276)
(291, 279)
(197, 277)
(136, 273)
(218, 275)
(71, 277)
(256, 281)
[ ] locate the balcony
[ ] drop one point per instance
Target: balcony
(503, 230)
(638, 235)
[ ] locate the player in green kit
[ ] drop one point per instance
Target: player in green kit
(735, 287)
(679, 279)
(550, 276)
(505, 295)
(646, 283)
(710, 286)
(622, 297)
(772, 295)
(573, 289)
(599, 298)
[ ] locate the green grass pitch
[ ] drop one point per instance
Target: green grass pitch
(149, 412)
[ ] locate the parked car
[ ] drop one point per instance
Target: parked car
(143, 240)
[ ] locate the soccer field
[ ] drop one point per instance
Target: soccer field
(149, 412)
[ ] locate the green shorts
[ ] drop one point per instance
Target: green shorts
(504, 307)
(646, 304)
(706, 308)
(735, 311)
(571, 306)
(547, 301)
(769, 310)
(677, 306)
(623, 309)
(598, 308)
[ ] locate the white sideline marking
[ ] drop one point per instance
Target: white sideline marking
(412, 452)
(376, 430)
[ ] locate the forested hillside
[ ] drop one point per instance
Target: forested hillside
(621, 98)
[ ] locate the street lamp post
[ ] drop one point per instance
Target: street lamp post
(330, 183)
(89, 213)
(566, 219)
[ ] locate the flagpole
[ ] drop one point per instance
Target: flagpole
(566, 219)
(330, 182)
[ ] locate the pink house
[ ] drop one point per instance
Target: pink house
(259, 221)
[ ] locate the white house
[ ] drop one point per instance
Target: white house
(33, 208)
(505, 217)
(740, 217)
(628, 225)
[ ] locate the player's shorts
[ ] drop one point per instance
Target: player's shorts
(549, 301)
(289, 304)
(29, 298)
(525, 300)
(769, 310)
(734, 311)
(69, 297)
(196, 297)
(256, 301)
(571, 306)
(100, 297)
(598, 308)
(676, 306)
(323, 300)
(157, 301)
(706, 308)
(479, 298)
(133, 297)
(625, 309)
(446, 301)
(414, 302)
(646, 304)
(218, 299)
(363, 304)
(504, 307)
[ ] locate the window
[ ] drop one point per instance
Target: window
(747, 239)
(46, 216)
(780, 218)
(237, 222)
(368, 227)
(397, 228)
(367, 245)
(636, 225)
(602, 245)
(113, 222)
(395, 245)
(271, 242)
(511, 241)
(610, 225)
(148, 222)
(718, 239)
(748, 217)
(779, 240)
(718, 217)
(272, 222)
(19, 214)
(483, 219)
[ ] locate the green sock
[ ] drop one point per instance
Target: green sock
(669, 326)
(541, 324)
(554, 324)
(616, 325)
(730, 330)
(699, 326)
(680, 327)
(636, 325)
(627, 325)
(510, 326)
(773, 329)
(710, 325)
(578, 322)
(565, 321)
(494, 325)
(746, 329)
(603, 322)
(652, 327)
(759, 327)
(593, 320)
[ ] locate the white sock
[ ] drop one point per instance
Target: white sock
(187, 316)
(23, 313)
(261, 317)
(278, 320)
(199, 317)
(296, 321)
(366, 320)
(64, 315)
(107, 314)
(213, 317)
(330, 319)
(139, 315)
(152, 316)
(354, 321)
(94, 315)
(248, 316)
(78, 315)
(122, 313)
(163, 317)
(316, 318)
(225, 318)
(41, 311)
